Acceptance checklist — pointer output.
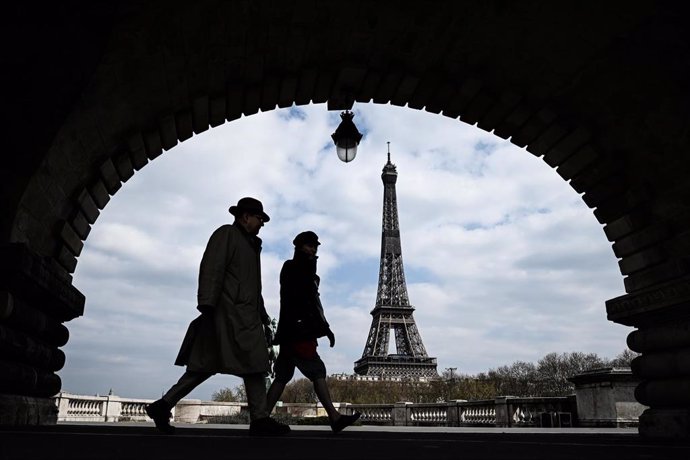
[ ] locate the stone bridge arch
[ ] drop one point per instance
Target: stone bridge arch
(596, 91)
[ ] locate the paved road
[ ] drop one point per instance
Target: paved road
(192, 442)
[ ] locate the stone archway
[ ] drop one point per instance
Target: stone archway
(604, 105)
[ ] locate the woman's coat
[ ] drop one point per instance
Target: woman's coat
(301, 314)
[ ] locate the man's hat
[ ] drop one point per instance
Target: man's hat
(307, 237)
(250, 205)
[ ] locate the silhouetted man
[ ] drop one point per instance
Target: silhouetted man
(228, 337)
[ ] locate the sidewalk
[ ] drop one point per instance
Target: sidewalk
(191, 442)
(376, 428)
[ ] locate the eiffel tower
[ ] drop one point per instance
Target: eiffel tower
(393, 309)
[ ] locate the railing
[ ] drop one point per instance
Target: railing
(428, 414)
(540, 411)
(590, 406)
(473, 413)
(134, 410)
(110, 408)
(373, 414)
(504, 411)
(87, 407)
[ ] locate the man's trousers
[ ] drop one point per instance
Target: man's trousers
(254, 384)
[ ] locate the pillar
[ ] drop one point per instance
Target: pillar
(36, 298)
(401, 414)
(188, 411)
(661, 315)
(605, 398)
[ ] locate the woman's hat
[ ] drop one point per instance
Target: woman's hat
(250, 205)
(307, 237)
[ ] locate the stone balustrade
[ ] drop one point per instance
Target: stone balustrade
(516, 411)
(603, 397)
(373, 414)
(472, 413)
(112, 408)
(502, 411)
(109, 408)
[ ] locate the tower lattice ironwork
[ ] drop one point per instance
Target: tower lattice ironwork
(393, 310)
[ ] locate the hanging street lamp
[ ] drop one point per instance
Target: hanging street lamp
(346, 137)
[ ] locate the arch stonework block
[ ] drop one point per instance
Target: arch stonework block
(152, 144)
(481, 103)
(168, 132)
(137, 151)
(505, 104)
(607, 189)
(217, 111)
(601, 98)
(110, 178)
(81, 225)
(200, 112)
(515, 120)
(99, 193)
(640, 240)
(71, 239)
(184, 125)
(288, 88)
(123, 166)
(546, 140)
(567, 146)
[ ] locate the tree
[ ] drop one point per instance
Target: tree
(553, 371)
(468, 387)
(517, 379)
(237, 394)
(548, 377)
(300, 390)
(624, 358)
(474, 388)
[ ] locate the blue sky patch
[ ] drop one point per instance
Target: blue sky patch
(485, 147)
(293, 113)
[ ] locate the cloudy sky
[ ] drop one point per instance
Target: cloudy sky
(503, 260)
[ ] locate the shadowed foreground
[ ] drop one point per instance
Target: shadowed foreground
(123, 441)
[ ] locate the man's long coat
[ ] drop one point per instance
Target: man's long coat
(231, 339)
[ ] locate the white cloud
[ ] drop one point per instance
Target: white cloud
(503, 260)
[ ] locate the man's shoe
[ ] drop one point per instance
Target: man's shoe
(159, 411)
(268, 427)
(344, 421)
